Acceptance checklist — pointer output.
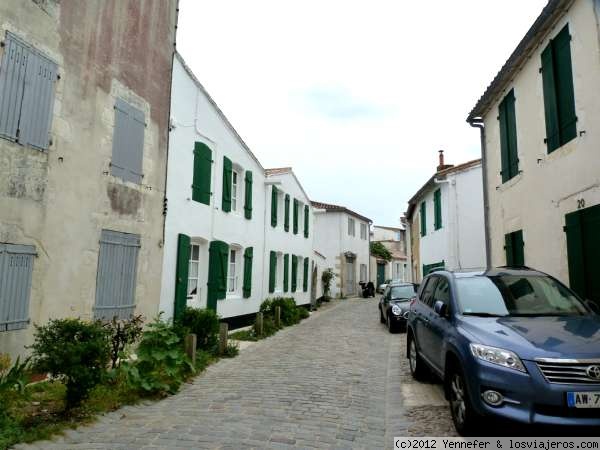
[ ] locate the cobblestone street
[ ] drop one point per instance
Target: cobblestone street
(337, 380)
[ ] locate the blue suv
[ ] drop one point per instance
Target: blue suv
(507, 342)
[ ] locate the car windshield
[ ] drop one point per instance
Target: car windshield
(402, 292)
(512, 295)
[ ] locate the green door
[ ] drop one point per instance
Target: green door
(218, 258)
(380, 274)
(583, 247)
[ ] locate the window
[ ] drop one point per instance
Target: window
(363, 272)
(227, 180)
(437, 209)
(272, 271)
(442, 292)
(274, 194)
(286, 221)
(363, 231)
(398, 235)
(234, 190)
(514, 247)
(26, 94)
(423, 219)
(232, 277)
(202, 173)
(397, 274)
(193, 272)
(294, 273)
(248, 195)
(351, 231)
(247, 285)
(116, 278)
(128, 142)
(508, 137)
(295, 215)
(427, 292)
(306, 220)
(279, 273)
(559, 98)
(300, 271)
(16, 266)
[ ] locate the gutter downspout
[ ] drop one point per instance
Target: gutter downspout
(477, 122)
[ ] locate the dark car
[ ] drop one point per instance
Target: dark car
(510, 343)
(395, 304)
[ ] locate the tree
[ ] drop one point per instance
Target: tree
(380, 251)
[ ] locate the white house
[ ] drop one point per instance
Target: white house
(222, 242)
(398, 268)
(449, 211)
(343, 237)
(538, 121)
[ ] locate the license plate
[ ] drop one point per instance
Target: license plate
(583, 399)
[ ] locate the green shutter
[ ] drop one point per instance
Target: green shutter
(305, 278)
(508, 137)
(295, 214)
(306, 221)
(202, 173)
(518, 248)
(286, 222)
(218, 260)
(575, 252)
(227, 175)
(565, 97)
(423, 219)
(508, 249)
(272, 271)
(550, 103)
(286, 271)
(247, 287)
(181, 275)
(248, 196)
(437, 209)
(427, 268)
(274, 206)
(294, 272)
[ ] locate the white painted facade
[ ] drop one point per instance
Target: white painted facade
(343, 238)
(460, 242)
(549, 185)
(196, 118)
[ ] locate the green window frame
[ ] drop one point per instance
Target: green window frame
(274, 207)
(218, 262)
(286, 219)
(295, 215)
(306, 220)
(272, 271)
(559, 97)
(514, 248)
(437, 209)
(305, 278)
(227, 180)
(508, 137)
(248, 195)
(286, 272)
(294, 273)
(202, 173)
(423, 214)
(247, 286)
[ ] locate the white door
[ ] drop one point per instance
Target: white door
(351, 278)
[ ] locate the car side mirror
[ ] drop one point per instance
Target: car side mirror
(440, 308)
(593, 306)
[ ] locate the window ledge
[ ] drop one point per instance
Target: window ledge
(510, 183)
(233, 296)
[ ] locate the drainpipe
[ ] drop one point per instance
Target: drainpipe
(477, 122)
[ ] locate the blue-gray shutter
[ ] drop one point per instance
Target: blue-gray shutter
(16, 266)
(128, 142)
(12, 83)
(116, 277)
(38, 102)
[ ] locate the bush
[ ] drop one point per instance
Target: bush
(231, 351)
(289, 310)
(326, 277)
(204, 323)
(12, 378)
(303, 313)
(161, 365)
(123, 333)
(75, 351)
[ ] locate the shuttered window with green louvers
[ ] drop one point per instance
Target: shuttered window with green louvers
(514, 248)
(247, 286)
(508, 137)
(218, 260)
(286, 272)
(295, 215)
(202, 173)
(181, 274)
(305, 278)
(423, 219)
(286, 220)
(227, 179)
(274, 207)
(437, 209)
(248, 195)
(294, 272)
(559, 97)
(306, 221)
(272, 271)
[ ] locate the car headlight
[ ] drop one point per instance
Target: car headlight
(494, 355)
(396, 310)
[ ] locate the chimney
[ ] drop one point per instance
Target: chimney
(443, 166)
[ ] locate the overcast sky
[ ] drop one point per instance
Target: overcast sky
(356, 96)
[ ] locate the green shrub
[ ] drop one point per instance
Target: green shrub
(326, 278)
(289, 310)
(231, 351)
(303, 313)
(204, 323)
(12, 378)
(123, 333)
(161, 365)
(75, 351)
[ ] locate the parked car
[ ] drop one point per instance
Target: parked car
(510, 343)
(394, 305)
(382, 286)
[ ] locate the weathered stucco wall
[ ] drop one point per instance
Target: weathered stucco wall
(59, 200)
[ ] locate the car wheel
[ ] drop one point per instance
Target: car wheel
(465, 418)
(390, 325)
(381, 318)
(415, 362)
